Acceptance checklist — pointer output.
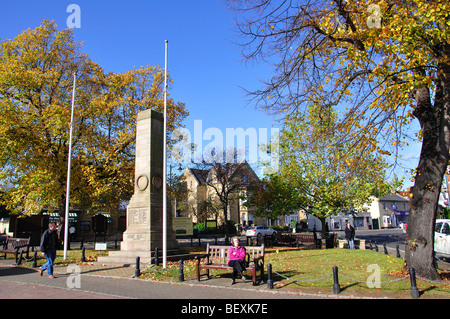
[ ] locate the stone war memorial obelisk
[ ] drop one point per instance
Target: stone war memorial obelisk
(145, 210)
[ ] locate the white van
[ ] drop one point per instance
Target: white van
(442, 237)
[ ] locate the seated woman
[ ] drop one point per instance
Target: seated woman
(236, 258)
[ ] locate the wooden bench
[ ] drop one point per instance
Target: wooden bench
(14, 245)
(266, 240)
(216, 258)
(286, 240)
(307, 239)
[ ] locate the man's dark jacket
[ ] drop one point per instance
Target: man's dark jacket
(349, 232)
(49, 240)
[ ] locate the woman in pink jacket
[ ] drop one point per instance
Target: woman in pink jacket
(236, 258)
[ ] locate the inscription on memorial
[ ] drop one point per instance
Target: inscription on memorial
(135, 236)
(157, 216)
(138, 216)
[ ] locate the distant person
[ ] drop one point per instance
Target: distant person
(49, 245)
(72, 233)
(350, 235)
(236, 259)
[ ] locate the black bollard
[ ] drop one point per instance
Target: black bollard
(137, 271)
(397, 248)
(19, 261)
(35, 259)
(156, 257)
(83, 254)
(336, 287)
(81, 244)
(385, 249)
(269, 276)
(115, 244)
(376, 247)
(414, 290)
(181, 274)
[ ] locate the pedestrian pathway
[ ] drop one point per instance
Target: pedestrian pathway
(98, 281)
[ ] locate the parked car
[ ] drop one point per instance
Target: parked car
(259, 231)
(442, 237)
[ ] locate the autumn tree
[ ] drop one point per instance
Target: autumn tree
(272, 197)
(333, 174)
(225, 177)
(36, 80)
(382, 63)
(319, 172)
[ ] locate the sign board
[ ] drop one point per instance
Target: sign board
(211, 224)
(182, 226)
(101, 246)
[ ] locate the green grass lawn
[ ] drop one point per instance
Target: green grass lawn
(297, 270)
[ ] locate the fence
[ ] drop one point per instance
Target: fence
(337, 288)
(335, 273)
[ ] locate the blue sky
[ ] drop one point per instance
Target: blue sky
(203, 61)
(121, 35)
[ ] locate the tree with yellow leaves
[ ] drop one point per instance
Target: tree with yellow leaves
(320, 172)
(382, 64)
(36, 76)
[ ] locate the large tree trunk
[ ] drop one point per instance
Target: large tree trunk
(420, 233)
(324, 232)
(434, 157)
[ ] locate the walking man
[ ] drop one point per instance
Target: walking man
(49, 245)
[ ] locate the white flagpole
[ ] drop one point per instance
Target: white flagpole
(66, 219)
(164, 231)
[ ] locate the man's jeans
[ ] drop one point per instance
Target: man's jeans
(50, 255)
(351, 244)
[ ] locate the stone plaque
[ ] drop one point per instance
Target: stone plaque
(136, 236)
(137, 216)
(157, 216)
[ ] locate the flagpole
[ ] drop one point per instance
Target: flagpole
(66, 219)
(164, 232)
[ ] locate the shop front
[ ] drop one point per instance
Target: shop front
(401, 217)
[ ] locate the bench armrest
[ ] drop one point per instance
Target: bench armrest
(257, 259)
(199, 257)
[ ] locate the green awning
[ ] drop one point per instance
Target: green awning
(54, 217)
(107, 215)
